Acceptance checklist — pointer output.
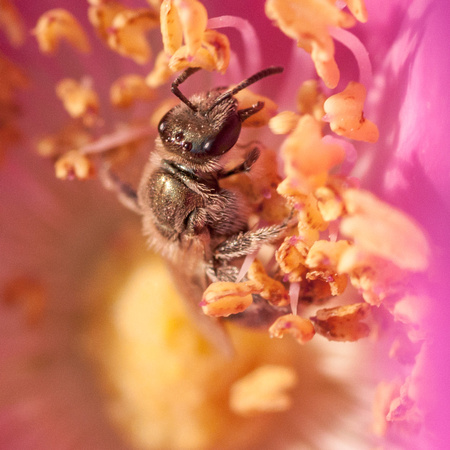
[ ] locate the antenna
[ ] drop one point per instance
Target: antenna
(180, 79)
(247, 82)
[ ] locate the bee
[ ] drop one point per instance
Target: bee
(199, 227)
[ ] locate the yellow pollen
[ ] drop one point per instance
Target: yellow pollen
(284, 122)
(343, 323)
(161, 72)
(301, 329)
(57, 25)
(307, 22)
(263, 391)
(224, 298)
(271, 290)
(128, 89)
(185, 21)
(79, 99)
(101, 15)
(345, 113)
(128, 33)
(74, 165)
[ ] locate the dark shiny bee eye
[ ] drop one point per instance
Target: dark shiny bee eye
(209, 124)
(225, 139)
(162, 125)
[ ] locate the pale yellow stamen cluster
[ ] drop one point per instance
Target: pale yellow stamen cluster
(314, 267)
(263, 390)
(123, 29)
(382, 242)
(186, 41)
(271, 290)
(344, 111)
(185, 21)
(70, 137)
(101, 14)
(74, 165)
(259, 186)
(343, 323)
(79, 99)
(308, 159)
(307, 21)
(161, 71)
(127, 34)
(310, 101)
(224, 298)
(302, 330)
(57, 25)
(129, 88)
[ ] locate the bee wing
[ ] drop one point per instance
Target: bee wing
(191, 283)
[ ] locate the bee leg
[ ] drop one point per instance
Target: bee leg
(221, 272)
(244, 244)
(251, 158)
(247, 112)
(124, 191)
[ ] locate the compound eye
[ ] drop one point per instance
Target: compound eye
(224, 140)
(162, 127)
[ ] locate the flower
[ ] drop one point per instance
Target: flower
(83, 252)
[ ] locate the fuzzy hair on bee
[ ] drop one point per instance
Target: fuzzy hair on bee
(198, 226)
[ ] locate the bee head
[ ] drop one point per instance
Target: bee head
(202, 133)
(207, 125)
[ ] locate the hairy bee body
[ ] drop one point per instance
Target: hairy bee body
(197, 225)
(183, 209)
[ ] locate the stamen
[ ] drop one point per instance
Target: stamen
(302, 330)
(117, 139)
(263, 391)
(248, 261)
(223, 298)
(160, 73)
(129, 88)
(345, 113)
(359, 51)
(73, 165)
(294, 292)
(343, 323)
(79, 99)
(56, 25)
(127, 34)
(270, 289)
(250, 39)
